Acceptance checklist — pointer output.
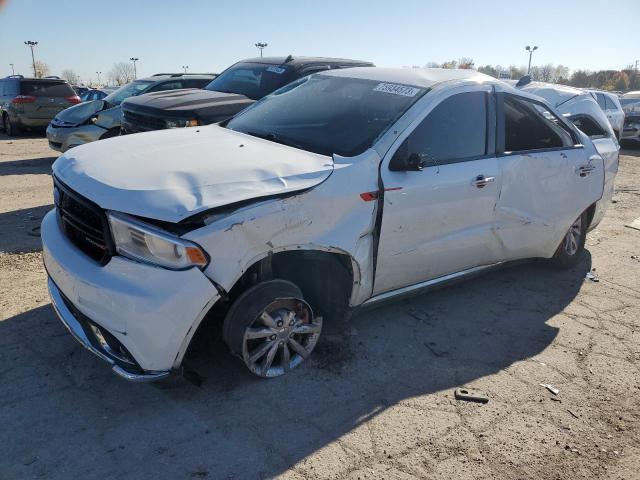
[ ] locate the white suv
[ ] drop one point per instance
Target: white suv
(610, 105)
(342, 189)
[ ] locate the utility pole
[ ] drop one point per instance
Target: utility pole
(637, 65)
(33, 59)
(261, 46)
(13, 71)
(99, 78)
(135, 70)
(530, 50)
(185, 67)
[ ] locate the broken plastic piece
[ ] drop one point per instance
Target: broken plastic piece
(551, 388)
(470, 395)
(592, 276)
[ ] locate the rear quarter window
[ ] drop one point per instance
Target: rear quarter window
(46, 89)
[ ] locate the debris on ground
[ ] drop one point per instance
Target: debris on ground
(592, 276)
(470, 395)
(551, 388)
(572, 414)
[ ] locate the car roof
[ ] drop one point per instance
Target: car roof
(33, 79)
(302, 61)
(417, 77)
(168, 76)
(554, 93)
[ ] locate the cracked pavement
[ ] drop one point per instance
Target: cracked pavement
(375, 401)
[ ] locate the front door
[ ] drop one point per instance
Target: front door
(438, 219)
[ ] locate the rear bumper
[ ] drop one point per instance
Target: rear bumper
(28, 122)
(152, 313)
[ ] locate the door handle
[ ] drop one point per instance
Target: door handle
(481, 181)
(585, 170)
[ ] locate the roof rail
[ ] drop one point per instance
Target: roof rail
(14, 76)
(55, 77)
(525, 80)
(180, 74)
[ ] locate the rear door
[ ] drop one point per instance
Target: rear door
(439, 220)
(548, 178)
(51, 97)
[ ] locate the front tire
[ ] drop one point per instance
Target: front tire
(571, 248)
(271, 328)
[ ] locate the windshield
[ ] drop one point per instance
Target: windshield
(80, 113)
(129, 90)
(254, 80)
(326, 114)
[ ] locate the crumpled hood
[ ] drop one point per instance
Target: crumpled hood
(170, 175)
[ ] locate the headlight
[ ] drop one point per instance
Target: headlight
(181, 123)
(145, 243)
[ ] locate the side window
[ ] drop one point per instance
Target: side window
(600, 98)
(195, 83)
(166, 86)
(454, 130)
(610, 104)
(530, 126)
(588, 126)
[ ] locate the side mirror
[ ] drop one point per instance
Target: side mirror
(415, 163)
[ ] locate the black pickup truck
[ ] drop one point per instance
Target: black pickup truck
(233, 90)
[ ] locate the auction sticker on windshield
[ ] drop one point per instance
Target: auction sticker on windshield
(397, 89)
(277, 70)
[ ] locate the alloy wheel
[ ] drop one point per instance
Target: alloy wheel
(281, 338)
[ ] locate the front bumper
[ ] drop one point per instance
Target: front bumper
(64, 138)
(151, 312)
(83, 335)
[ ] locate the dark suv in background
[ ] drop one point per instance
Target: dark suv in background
(32, 102)
(233, 90)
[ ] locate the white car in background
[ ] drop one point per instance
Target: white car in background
(610, 105)
(630, 102)
(345, 188)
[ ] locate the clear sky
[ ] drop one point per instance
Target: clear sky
(210, 35)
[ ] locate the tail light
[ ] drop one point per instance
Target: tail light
(24, 99)
(72, 99)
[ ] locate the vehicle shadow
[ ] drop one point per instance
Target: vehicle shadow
(31, 166)
(21, 229)
(68, 412)
(25, 134)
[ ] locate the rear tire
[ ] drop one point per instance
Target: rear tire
(11, 128)
(271, 328)
(571, 248)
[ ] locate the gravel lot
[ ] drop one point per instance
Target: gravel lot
(374, 403)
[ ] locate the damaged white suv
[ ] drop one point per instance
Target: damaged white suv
(342, 189)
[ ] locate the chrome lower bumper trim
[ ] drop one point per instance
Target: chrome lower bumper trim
(76, 330)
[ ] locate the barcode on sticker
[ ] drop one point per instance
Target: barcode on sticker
(397, 89)
(277, 70)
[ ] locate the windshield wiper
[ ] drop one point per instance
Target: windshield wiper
(276, 139)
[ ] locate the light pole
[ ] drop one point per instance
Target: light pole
(185, 67)
(135, 71)
(261, 46)
(13, 71)
(530, 50)
(33, 59)
(99, 78)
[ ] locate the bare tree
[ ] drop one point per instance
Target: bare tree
(432, 65)
(546, 72)
(466, 63)
(42, 69)
(121, 73)
(450, 64)
(560, 74)
(70, 76)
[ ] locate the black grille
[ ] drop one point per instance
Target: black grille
(84, 223)
(139, 122)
